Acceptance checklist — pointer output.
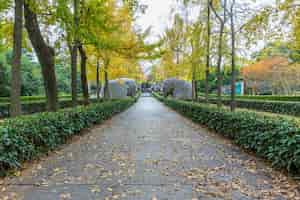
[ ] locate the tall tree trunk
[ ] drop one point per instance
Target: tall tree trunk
(219, 70)
(207, 53)
(194, 89)
(84, 83)
(74, 75)
(45, 55)
(97, 78)
(220, 52)
(15, 103)
(233, 71)
(74, 55)
(194, 83)
(106, 89)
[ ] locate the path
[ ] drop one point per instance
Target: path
(149, 152)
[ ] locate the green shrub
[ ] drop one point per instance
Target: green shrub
(270, 97)
(280, 107)
(259, 97)
(274, 138)
(26, 137)
(35, 106)
(34, 98)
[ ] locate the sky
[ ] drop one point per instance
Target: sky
(157, 16)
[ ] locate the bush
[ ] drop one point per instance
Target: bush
(260, 97)
(26, 137)
(270, 97)
(35, 106)
(33, 98)
(274, 138)
(280, 107)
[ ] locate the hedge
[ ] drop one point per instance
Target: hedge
(280, 107)
(269, 97)
(260, 97)
(275, 138)
(34, 98)
(34, 106)
(26, 137)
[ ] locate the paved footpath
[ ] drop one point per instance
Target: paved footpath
(149, 152)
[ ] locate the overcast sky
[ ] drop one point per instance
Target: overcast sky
(157, 15)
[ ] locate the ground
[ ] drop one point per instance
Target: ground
(149, 152)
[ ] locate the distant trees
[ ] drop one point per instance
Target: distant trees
(63, 32)
(101, 34)
(273, 74)
(229, 28)
(31, 77)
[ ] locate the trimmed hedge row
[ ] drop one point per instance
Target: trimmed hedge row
(280, 107)
(269, 97)
(34, 98)
(260, 97)
(26, 137)
(29, 107)
(276, 139)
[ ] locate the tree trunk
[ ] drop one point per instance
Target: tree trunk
(15, 102)
(207, 53)
(220, 49)
(84, 83)
(194, 89)
(74, 55)
(74, 74)
(45, 55)
(219, 62)
(97, 79)
(233, 71)
(106, 89)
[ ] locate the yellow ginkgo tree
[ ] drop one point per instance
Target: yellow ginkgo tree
(116, 45)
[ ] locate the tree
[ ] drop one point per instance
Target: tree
(184, 55)
(45, 54)
(222, 20)
(74, 50)
(274, 73)
(97, 78)
(115, 38)
(207, 51)
(84, 83)
(197, 54)
(233, 67)
(173, 62)
(15, 102)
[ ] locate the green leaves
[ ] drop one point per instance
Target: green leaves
(5, 4)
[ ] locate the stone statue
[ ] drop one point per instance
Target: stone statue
(120, 88)
(131, 86)
(178, 89)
